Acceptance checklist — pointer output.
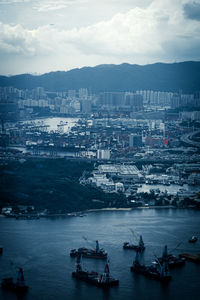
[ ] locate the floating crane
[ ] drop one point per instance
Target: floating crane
(90, 253)
(104, 280)
(140, 247)
(151, 271)
(16, 286)
(173, 261)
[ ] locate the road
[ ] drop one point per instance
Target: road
(187, 138)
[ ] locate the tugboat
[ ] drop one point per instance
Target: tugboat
(104, 280)
(151, 271)
(173, 261)
(140, 247)
(90, 253)
(18, 287)
(193, 239)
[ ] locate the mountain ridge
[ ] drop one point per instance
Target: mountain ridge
(159, 76)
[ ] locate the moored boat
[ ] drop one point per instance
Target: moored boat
(193, 239)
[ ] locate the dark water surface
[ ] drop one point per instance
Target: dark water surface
(43, 246)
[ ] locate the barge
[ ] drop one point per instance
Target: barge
(104, 280)
(90, 253)
(151, 271)
(140, 247)
(18, 286)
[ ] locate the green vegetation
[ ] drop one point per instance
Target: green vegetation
(52, 184)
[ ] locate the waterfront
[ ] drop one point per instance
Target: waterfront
(53, 123)
(43, 246)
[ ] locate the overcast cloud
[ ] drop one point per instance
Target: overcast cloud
(59, 35)
(192, 10)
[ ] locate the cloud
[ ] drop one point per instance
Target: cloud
(123, 34)
(17, 40)
(159, 32)
(47, 5)
(192, 11)
(14, 1)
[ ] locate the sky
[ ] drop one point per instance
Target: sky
(39, 36)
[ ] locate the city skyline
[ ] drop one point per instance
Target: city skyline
(43, 36)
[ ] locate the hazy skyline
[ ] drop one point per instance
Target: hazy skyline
(47, 35)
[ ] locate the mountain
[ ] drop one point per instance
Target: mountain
(172, 77)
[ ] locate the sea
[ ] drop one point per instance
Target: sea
(42, 247)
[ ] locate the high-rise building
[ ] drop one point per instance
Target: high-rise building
(135, 141)
(85, 105)
(72, 94)
(83, 93)
(38, 93)
(103, 154)
(115, 99)
(135, 101)
(175, 101)
(155, 98)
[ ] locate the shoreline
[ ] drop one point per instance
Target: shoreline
(135, 208)
(108, 209)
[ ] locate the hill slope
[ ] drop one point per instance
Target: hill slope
(183, 76)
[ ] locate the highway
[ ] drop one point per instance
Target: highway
(187, 138)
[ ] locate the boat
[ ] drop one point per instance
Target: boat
(1, 250)
(151, 271)
(193, 239)
(104, 280)
(79, 273)
(191, 257)
(173, 261)
(140, 247)
(18, 286)
(90, 253)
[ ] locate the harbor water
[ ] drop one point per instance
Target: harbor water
(42, 248)
(54, 124)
